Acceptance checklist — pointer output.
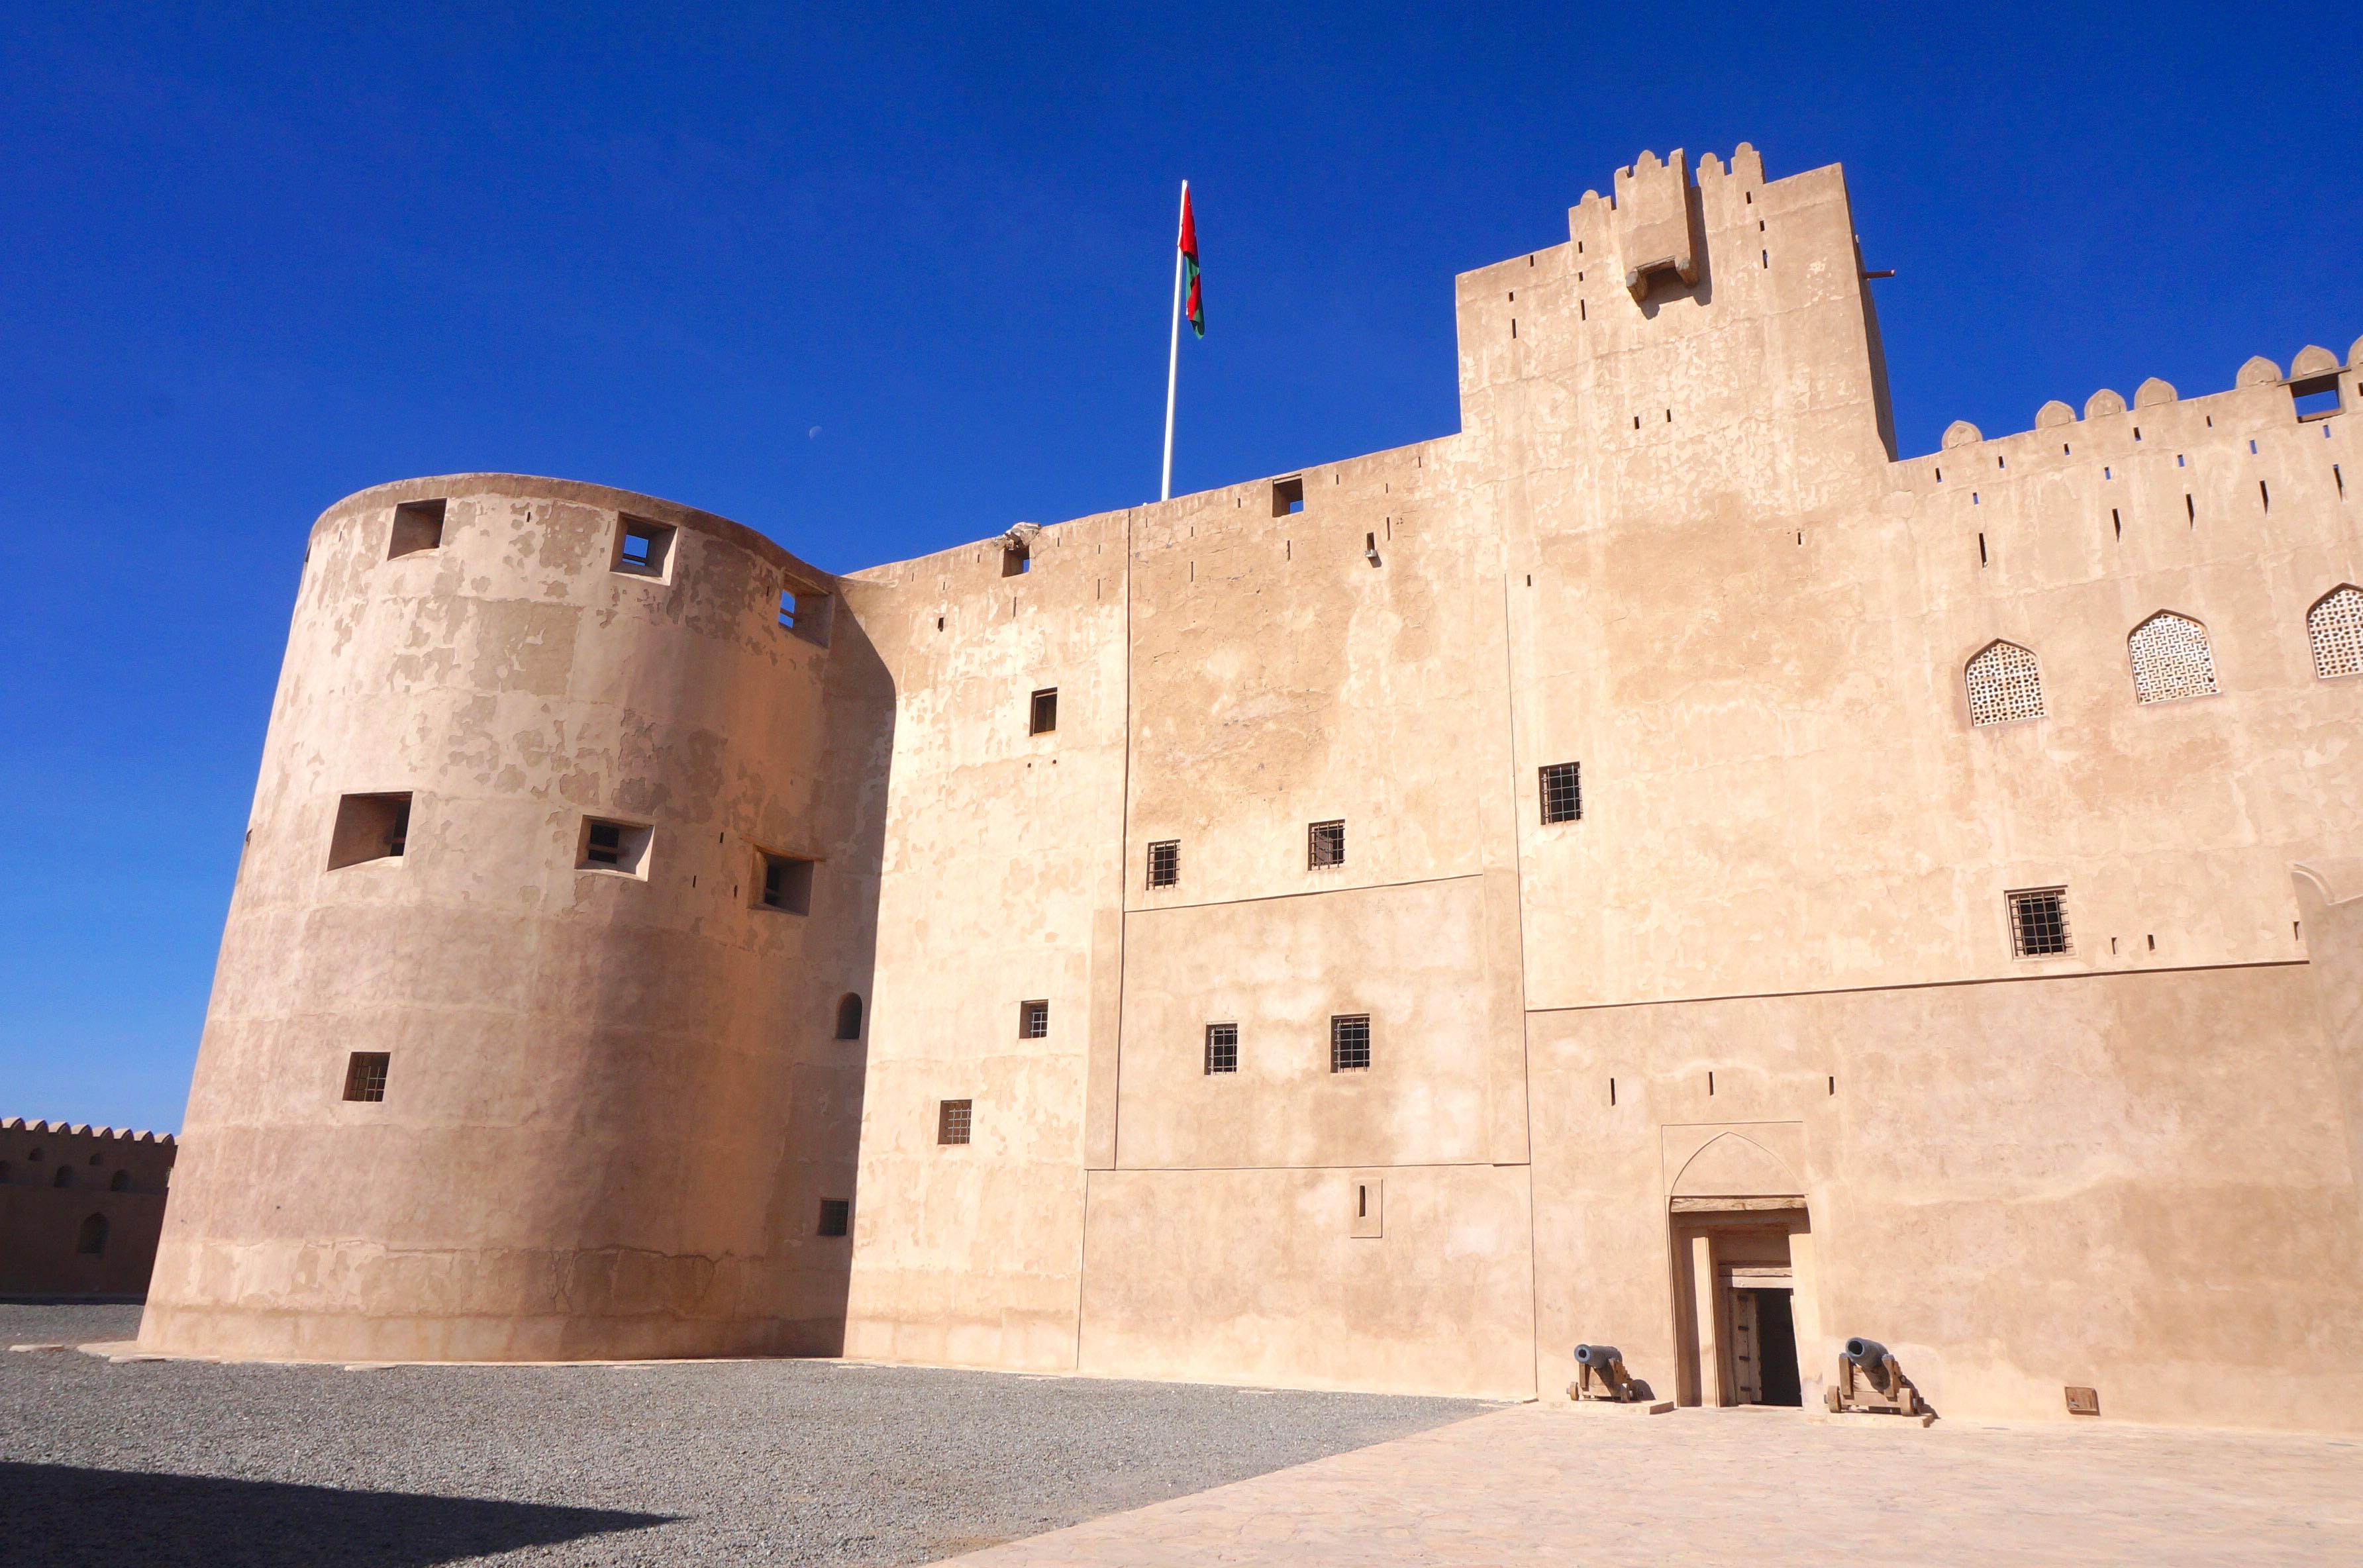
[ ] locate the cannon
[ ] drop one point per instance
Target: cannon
(1870, 1380)
(1600, 1374)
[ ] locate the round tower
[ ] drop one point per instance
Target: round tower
(522, 1042)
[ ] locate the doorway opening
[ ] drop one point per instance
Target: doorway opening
(1737, 1301)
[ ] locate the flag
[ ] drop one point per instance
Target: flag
(1194, 306)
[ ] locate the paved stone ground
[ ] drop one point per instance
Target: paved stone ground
(160, 1464)
(1763, 1489)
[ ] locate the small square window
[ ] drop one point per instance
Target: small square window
(835, 1215)
(1042, 716)
(370, 827)
(2315, 397)
(1563, 793)
(417, 525)
(1165, 863)
(807, 612)
(365, 1075)
(1349, 1043)
(1287, 495)
(2038, 922)
(1033, 1021)
(953, 1120)
(1222, 1048)
(606, 845)
(785, 884)
(1326, 843)
(1015, 559)
(642, 548)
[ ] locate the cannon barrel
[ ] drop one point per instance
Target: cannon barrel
(1864, 1352)
(1600, 1358)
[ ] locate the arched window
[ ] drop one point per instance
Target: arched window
(122, 1182)
(65, 1176)
(849, 1016)
(2171, 659)
(2335, 628)
(93, 1239)
(2005, 684)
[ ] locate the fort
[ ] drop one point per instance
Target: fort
(1655, 868)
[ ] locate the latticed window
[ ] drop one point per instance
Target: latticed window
(2005, 684)
(1165, 863)
(1563, 793)
(952, 1121)
(2334, 627)
(1222, 1047)
(1326, 843)
(1033, 1021)
(1349, 1043)
(2038, 922)
(2172, 659)
(365, 1074)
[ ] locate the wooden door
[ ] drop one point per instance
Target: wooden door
(1746, 1357)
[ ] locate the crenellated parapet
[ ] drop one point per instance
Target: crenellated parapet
(2316, 373)
(84, 1129)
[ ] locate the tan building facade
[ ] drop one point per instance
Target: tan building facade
(1656, 866)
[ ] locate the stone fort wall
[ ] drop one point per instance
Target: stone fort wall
(1759, 1018)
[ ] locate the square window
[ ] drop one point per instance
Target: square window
(1326, 843)
(365, 1075)
(1165, 863)
(953, 1120)
(1287, 495)
(642, 548)
(1042, 716)
(2038, 922)
(1222, 1048)
(807, 612)
(1033, 1021)
(785, 884)
(370, 827)
(2315, 397)
(1563, 793)
(606, 845)
(1349, 1043)
(835, 1215)
(1014, 559)
(417, 525)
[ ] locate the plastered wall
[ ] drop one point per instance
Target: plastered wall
(1758, 1010)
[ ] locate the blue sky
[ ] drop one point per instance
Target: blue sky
(875, 286)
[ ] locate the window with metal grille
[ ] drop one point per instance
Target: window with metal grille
(2038, 922)
(1033, 1020)
(1222, 1047)
(1563, 793)
(952, 1121)
(835, 1215)
(1165, 863)
(2005, 684)
(613, 847)
(1326, 843)
(787, 884)
(2335, 628)
(1043, 717)
(365, 1074)
(1349, 1043)
(2172, 659)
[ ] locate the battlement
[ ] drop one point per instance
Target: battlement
(2316, 378)
(84, 1129)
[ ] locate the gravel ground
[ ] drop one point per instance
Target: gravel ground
(168, 1462)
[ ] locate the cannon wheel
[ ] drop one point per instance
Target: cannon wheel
(1830, 1398)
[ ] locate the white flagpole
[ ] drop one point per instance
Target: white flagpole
(1173, 351)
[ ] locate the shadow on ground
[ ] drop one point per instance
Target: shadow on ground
(68, 1517)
